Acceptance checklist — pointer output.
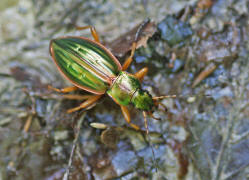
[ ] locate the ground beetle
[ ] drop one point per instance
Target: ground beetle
(90, 66)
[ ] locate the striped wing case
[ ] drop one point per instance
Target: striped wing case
(87, 64)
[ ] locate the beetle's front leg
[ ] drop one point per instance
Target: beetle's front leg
(141, 73)
(127, 117)
(92, 29)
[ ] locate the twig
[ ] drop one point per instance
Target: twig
(80, 121)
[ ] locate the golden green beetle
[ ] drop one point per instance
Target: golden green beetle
(90, 66)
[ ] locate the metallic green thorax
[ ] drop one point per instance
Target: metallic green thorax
(127, 89)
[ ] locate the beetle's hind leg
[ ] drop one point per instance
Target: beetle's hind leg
(88, 102)
(70, 96)
(92, 29)
(89, 99)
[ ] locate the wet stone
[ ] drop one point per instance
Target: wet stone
(174, 31)
(124, 161)
(60, 135)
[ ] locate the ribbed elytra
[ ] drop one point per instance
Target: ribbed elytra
(85, 63)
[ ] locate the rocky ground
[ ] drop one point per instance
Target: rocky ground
(197, 50)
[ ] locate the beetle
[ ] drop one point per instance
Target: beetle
(90, 66)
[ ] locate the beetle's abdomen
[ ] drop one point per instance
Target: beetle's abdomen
(87, 64)
(123, 88)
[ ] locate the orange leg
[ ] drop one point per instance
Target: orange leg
(127, 117)
(92, 29)
(90, 100)
(64, 90)
(70, 96)
(76, 96)
(141, 73)
(130, 58)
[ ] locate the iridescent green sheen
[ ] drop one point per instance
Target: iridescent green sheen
(85, 63)
(90, 66)
(123, 88)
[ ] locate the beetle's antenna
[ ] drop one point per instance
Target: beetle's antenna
(147, 132)
(177, 96)
(152, 116)
(164, 97)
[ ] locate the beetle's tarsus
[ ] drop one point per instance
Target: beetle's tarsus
(140, 28)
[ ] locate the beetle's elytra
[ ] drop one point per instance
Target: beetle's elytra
(90, 66)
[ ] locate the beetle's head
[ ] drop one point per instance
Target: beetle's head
(142, 100)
